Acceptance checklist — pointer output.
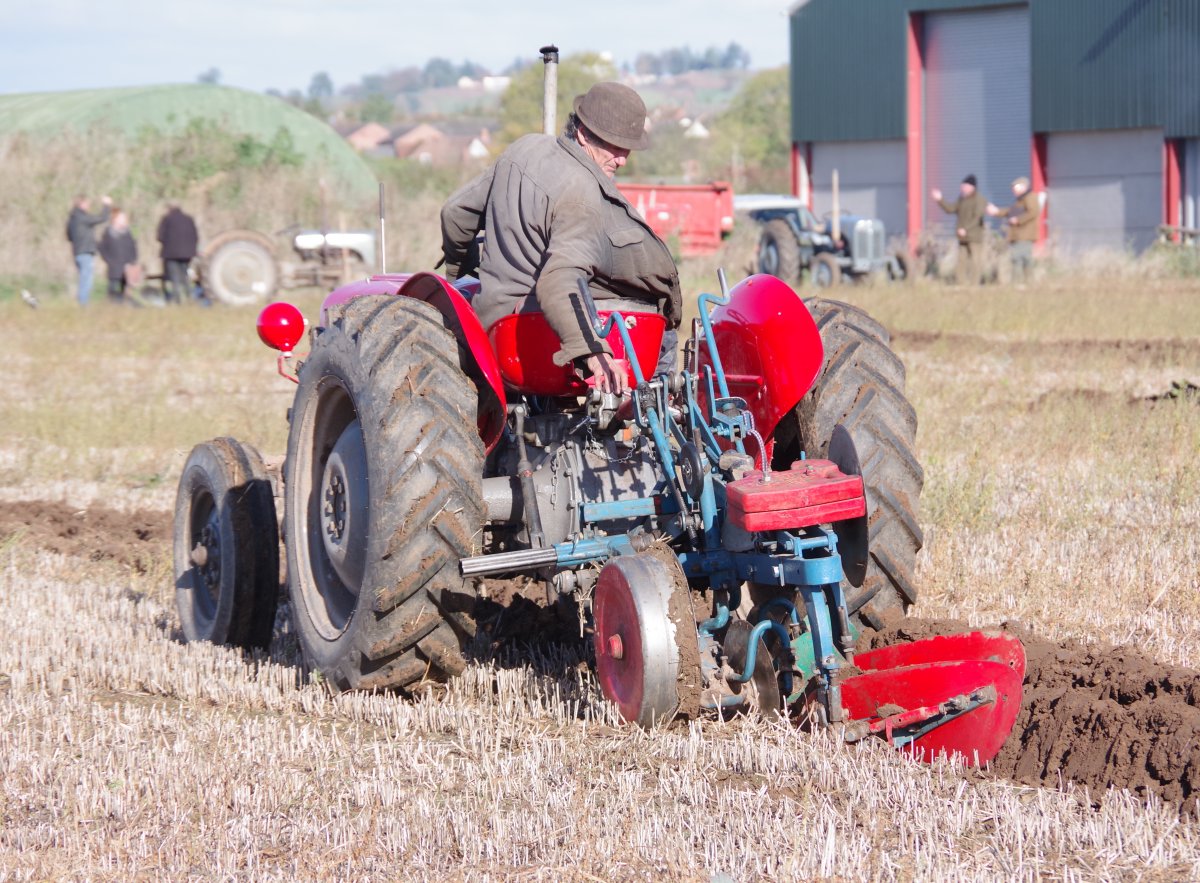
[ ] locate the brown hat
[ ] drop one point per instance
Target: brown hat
(615, 113)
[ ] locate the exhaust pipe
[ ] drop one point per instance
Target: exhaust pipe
(550, 90)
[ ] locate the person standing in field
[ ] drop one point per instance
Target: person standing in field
(178, 237)
(81, 233)
(969, 212)
(120, 252)
(1022, 219)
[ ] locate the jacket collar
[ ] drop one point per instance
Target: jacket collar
(607, 186)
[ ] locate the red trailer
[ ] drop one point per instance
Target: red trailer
(699, 215)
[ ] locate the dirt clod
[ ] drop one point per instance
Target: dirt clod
(135, 540)
(1100, 716)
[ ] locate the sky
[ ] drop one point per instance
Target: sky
(52, 45)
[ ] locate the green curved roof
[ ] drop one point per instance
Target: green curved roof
(170, 108)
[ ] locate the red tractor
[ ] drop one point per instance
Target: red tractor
(727, 530)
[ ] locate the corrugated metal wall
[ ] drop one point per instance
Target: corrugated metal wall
(871, 180)
(976, 102)
(1182, 32)
(1106, 188)
(1096, 64)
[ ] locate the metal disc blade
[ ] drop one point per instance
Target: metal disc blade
(762, 690)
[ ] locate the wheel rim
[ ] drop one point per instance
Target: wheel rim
(205, 544)
(243, 272)
(336, 512)
(637, 659)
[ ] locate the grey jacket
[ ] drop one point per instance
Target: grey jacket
(81, 229)
(552, 216)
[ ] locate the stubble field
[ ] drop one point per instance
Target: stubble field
(1062, 496)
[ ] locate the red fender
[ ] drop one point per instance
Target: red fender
(770, 348)
(460, 318)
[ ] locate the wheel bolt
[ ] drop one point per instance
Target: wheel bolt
(616, 647)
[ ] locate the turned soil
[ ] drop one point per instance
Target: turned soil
(135, 540)
(1100, 716)
(1096, 715)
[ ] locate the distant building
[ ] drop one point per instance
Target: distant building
(440, 144)
(1093, 100)
(368, 136)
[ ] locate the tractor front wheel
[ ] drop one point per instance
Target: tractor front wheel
(384, 496)
(861, 386)
(778, 251)
(226, 546)
(825, 271)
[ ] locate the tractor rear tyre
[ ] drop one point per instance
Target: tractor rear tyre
(778, 251)
(384, 496)
(861, 386)
(226, 546)
(825, 271)
(239, 269)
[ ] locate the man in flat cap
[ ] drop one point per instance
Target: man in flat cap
(1022, 221)
(553, 215)
(969, 212)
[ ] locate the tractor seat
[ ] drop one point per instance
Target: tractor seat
(525, 344)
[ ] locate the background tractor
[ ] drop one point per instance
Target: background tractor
(793, 243)
(725, 531)
(243, 267)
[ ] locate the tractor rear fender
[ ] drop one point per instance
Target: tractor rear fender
(460, 318)
(770, 348)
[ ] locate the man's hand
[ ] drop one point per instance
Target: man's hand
(608, 374)
(936, 194)
(993, 210)
(962, 233)
(106, 200)
(1014, 221)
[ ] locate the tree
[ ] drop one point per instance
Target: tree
(378, 108)
(212, 76)
(320, 88)
(521, 106)
(756, 128)
(439, 73)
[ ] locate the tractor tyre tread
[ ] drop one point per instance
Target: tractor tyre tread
(861, 385)
(786, 247)
(414, 611)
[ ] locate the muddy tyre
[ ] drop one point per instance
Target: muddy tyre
(778, 251)
(861, 386)
(239, 269)
(384, 496)
(226, 546)
(825, 271)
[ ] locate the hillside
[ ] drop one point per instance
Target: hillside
(170, 109)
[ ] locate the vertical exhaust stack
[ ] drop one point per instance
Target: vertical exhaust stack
(550, 90)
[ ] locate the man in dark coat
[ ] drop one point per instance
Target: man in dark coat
(120, 253)
(969, 211)
(1022, 222)
(81, 233)
(178, 237)
(554, 216)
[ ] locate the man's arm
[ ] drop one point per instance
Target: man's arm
(462, 219)
(572, 254)
(99, 218)
(949, 207)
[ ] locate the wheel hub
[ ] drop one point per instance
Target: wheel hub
(344, 507)
(206, 554)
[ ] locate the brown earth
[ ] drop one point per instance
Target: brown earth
(136, 540)
(1096, 715)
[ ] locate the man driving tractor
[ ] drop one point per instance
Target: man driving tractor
(553, 216)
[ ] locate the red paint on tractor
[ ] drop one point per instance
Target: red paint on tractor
(923, 681)
(811, 492)
(525, 345)
(770, 349)
(699, 215)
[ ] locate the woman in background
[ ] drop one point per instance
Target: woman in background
(120, 253)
